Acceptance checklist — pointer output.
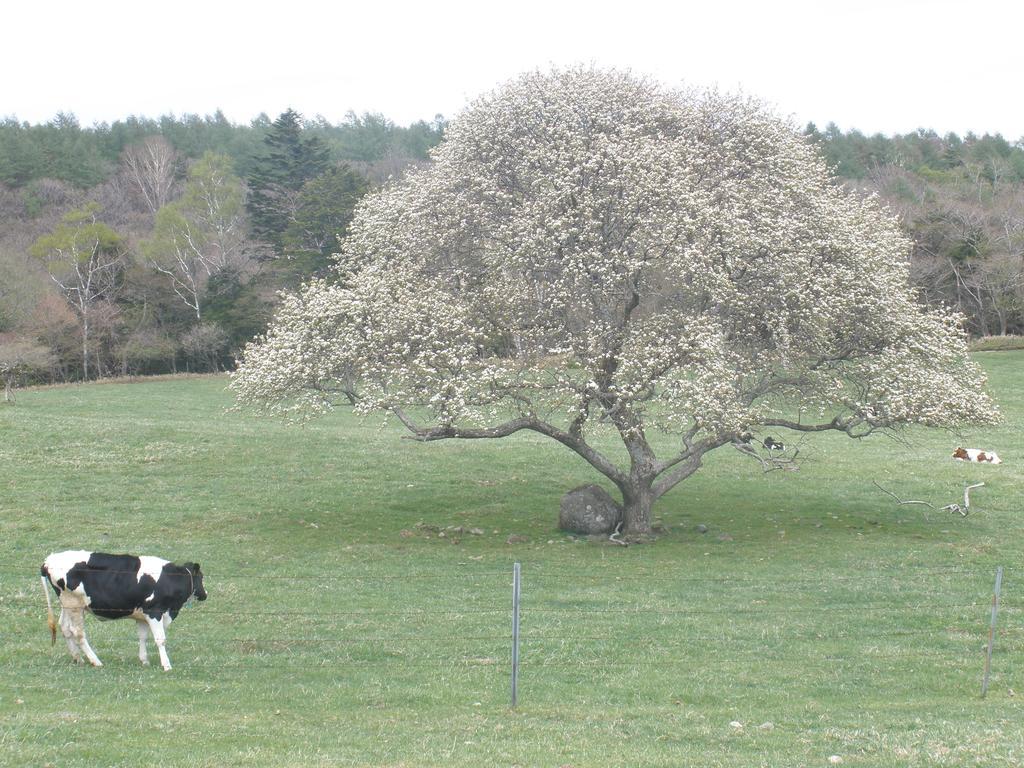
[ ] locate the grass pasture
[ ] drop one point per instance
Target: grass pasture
(814, 617)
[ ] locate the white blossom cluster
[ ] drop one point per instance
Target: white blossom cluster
(586, 245)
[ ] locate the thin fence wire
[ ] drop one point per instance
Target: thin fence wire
(867, 667)
(567, 639)
(925, 610)
(577, 574)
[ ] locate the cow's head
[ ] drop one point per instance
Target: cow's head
(197, 580)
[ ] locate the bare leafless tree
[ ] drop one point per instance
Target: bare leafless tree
(203, 233)
(85, 259)
(151, 167)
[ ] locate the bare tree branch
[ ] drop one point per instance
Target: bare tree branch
(772, 462)
(901, 501)
(966, 508)
(449, 431)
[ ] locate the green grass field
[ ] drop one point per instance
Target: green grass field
(814, 617)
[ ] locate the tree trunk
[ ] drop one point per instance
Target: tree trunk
(646, 485)
(9, 389)
(637, 500)
(85, 347)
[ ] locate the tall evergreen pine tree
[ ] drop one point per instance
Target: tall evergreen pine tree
(290, 159)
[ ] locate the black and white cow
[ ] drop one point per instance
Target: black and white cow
(150, 590)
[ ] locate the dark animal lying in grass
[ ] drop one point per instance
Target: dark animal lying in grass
(772, 444)
(150, 590)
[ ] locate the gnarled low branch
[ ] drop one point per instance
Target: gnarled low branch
(449, 431)
(769, 463)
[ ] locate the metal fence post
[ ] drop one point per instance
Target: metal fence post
(992, 629)
(515, 634)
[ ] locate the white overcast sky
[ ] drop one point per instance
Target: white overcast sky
(877, 65)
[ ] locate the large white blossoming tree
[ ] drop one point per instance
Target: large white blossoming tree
(592, 252)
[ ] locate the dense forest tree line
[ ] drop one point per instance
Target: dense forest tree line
(63, 150)
(149, 246)
(962, 202)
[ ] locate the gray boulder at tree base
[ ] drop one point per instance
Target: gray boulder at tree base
(589, 510)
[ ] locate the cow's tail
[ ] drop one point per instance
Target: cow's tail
(50, 619)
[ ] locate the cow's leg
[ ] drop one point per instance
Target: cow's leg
(78, 626)
(143, 637)
(69, 635)
(156, 626)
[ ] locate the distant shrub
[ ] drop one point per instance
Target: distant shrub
(20, 358)
(936, 175)
(205, 346)
(997, 343)
(146, 352)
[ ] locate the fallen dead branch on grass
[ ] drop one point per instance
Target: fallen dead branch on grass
(953, 508)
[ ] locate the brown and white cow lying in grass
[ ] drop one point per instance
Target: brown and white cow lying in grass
(977, 456)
